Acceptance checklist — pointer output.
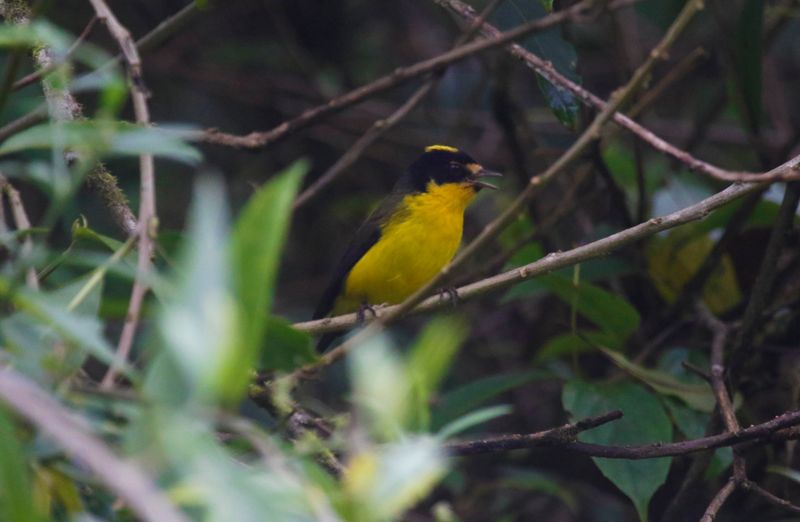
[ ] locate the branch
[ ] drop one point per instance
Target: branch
(554, 436)
(546, 70)
(147, 227)
(22, 223)
(123, 477)
(618, 98)
(760, 432)
(398, 76)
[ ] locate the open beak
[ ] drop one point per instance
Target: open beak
(477, 178)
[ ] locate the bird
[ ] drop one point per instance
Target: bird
(411, 235)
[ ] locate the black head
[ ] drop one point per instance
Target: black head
(443, 164)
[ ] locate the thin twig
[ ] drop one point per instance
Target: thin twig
(760, 432)
(44, 71)
(398, 76)
(123, 477)
(718, 501)
(22, 223)
(147, 226)
(546, 70)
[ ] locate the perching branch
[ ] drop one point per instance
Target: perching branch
(398, 76)
(126, 479)
(147, 226)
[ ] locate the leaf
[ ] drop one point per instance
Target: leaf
(16, 498)
(569, 344)
(748, 50)
(200, 319)
(286, 348)
(33, 34)
(256, 247)
(613, 314)
(645, 421)
(551, 46)
(380, 388)
(473, 419)
(692, 424)
(698, 396)
(428, 361)
(387, 480)
(673, 260)
(789, 473)
(105, 138)
(457, 402)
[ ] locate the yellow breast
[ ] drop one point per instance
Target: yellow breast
(420, 238)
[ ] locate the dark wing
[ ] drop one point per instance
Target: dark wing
(365, 237)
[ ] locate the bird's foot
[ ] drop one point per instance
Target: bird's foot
(361, 314)
(450, 293)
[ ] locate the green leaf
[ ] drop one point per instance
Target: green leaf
(748, 50)
(551, 46)
(105, 138)
(456, 403)
(698, 396)
(613, 314)
(473, 419)
(16, 491)
(569, 344)
(380, 388)
(256, 246)
(286, 348)
(200, 320)
(428, 362)
(33, 34)
(645, 421)
(389, 479)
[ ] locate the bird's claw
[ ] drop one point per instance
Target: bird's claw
(450, 293)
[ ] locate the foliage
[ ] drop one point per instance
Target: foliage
(215, 404)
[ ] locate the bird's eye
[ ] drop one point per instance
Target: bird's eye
(454, 166)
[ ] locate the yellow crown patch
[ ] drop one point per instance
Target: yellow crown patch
(445, 148)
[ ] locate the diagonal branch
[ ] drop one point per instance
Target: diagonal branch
(147, 227)
(545, 69)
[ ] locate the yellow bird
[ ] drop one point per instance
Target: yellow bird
(413, 233)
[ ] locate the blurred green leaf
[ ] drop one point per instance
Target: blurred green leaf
(786, 472)
(698, 396)
(105, 138)
(33, 34)
(537, 481)
(562, 102)
(547, 4)
(256, 246)
(16, 491)
(380, 387)
(286, 348)
(200, 320)
(428, 361)
(456, 403)
(473, 419)
(748, 50)
(645, 421)
(385, 481)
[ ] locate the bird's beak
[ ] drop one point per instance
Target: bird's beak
(480, 173)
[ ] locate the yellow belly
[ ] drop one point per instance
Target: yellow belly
(421, 238)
